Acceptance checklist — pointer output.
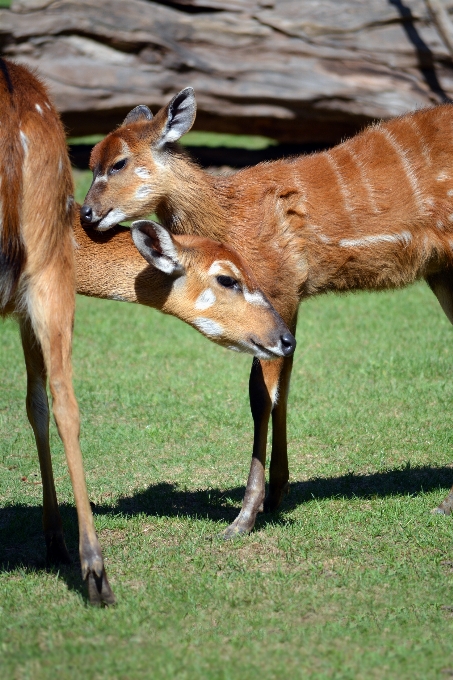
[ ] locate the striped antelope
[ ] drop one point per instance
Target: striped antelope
(192, 279)
(373, 213)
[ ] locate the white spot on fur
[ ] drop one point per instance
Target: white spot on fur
(450, 192)
(255, 298)
(100, 178)
(442, 176)
(205, 300)
(450, 218)
(218, 267)
(48, 105)
(143, 191)
(24, 141)
(208, 327)
(111, 219)
(405, 237)
(142, 172)
(38, 108)
(440, 225)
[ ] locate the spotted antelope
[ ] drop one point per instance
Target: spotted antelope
(373, 213)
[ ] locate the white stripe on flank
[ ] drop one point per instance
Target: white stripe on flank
(363, 176)
(405, 237)
(208, 327)
(405, 161)
(205, 300)
(341, 183)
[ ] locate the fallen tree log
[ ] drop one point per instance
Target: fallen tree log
(311, 71)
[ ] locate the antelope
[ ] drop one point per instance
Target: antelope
(373, 213)
(37, 284)
(198, 280)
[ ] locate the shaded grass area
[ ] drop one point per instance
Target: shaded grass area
(352, 578)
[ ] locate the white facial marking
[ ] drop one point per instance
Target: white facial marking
(142, 172)
(143, 191)
(255, 298)
(205, 300)
(24, 141)
(111, 219)
(405, 237)
(100, 178)
(38, 108)
(208, 327)
(124, 147)
(218, 267)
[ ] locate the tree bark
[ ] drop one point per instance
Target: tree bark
(312, 71)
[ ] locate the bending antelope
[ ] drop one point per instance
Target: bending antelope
(375, 212)
(196, 279)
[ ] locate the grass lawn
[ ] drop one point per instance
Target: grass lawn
(351, 579)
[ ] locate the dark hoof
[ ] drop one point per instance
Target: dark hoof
(274, 498)
(57, 552)
(446, 507)
(99, 591)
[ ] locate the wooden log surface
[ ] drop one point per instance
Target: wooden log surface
(298, 71)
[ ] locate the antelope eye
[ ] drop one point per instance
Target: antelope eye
(227, 282)
(119, 165)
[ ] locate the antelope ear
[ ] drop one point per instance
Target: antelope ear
(141, 112)
(180, 116)
(157, 246)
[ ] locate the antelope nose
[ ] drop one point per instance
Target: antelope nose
(288, 344)
(86, 214)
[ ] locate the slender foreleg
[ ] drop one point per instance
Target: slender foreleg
(264, 378)
(38, 415)
(51, 301)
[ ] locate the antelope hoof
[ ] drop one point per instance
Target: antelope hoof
(57, 552)
(446, 507)
(275, 497)
(238, 528)
(99, 591)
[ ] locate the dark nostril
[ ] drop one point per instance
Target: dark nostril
(288, 343)
(86, 213)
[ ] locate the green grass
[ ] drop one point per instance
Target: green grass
(351, 579)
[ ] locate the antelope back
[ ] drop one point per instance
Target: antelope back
(35, 178)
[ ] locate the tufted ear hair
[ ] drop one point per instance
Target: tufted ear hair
(140, 112)
(157, 246)
(180, 116)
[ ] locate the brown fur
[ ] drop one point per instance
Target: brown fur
(375, 212)
(37, 284)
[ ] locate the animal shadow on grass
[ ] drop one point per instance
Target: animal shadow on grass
(22, 542)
